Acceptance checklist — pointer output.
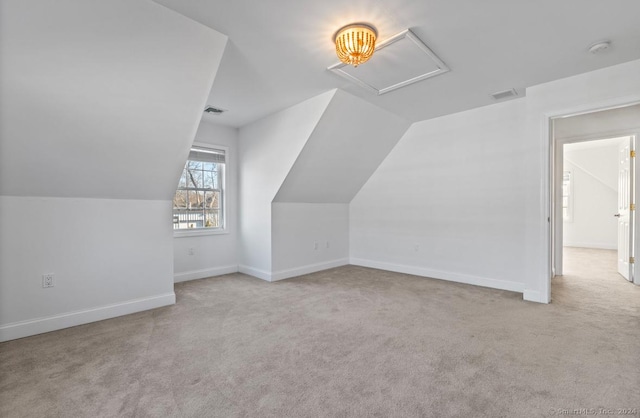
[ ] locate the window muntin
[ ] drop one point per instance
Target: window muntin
(199, 199)
(567, 196)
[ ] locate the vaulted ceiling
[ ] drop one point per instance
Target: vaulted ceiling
(100, 99)
(279, 50)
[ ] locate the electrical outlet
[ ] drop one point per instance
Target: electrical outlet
(47, 280)
(315, 245)
(192, 251)
(416, 248)
(327, 246)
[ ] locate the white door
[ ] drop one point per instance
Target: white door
(624, 206)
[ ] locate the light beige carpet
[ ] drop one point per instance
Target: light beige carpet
(347, 342)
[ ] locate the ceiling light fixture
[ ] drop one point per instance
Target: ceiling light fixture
(355, 43)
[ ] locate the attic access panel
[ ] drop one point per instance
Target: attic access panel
(399, 61)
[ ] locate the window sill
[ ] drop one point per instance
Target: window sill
(198, 232)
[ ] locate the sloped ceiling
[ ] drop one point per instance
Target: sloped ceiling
(100, 99)
(345, 148)
(280, 49)
(589, 157)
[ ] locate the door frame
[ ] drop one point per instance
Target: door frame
(547, 190)
(557, 223)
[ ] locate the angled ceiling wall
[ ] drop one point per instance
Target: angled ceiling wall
(345, 148)
(100, 98)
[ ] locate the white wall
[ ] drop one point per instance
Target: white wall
(213, 254)
(595, 196)
(345, 148)
(308, 237)
(100, 103)
(268, 149)
(466, 197)
(595, 90)
(447, 201)
(110, 257)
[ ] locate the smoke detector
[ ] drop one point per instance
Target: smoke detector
(214, 110)
(599, 47)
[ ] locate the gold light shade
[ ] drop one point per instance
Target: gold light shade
(355, 43)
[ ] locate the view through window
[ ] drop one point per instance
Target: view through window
(198, 202)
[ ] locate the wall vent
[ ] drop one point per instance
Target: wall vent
(506, 94)
(214, 110)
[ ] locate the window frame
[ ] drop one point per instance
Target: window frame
(179, 233)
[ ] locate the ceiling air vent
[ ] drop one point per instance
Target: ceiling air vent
(214, 110)
(506, 94)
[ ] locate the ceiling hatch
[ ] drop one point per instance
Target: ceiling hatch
(397, 62)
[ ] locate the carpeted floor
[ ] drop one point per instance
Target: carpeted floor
(347, 342)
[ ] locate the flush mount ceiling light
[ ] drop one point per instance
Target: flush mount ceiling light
(401, 60)
(355, 43)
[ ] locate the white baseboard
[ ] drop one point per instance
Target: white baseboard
(597, 245)
(204, 273)
(534, 296)
(441, 275)
(309, 268)
(251, 271)
(70, 319)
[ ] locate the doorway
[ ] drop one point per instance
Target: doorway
(593, 160)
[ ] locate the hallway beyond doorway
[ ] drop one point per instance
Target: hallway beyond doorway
(591, 280)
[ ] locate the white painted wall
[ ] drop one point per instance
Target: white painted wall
(595, 90)
(110, 257)
(347, 145)
(447, 201)
(268, 149)
(100, 103)
(470, 190)
(595, 195)
(218, 253)
(308, 237)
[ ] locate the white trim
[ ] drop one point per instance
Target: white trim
(533, 296)
(596, 245)
(70, 319)
(309, 268)
(204, 273)
(251, 271)
(441, 275)
(196, 232)
(548, 159)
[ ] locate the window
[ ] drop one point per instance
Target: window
(567, 197)
(199, 199)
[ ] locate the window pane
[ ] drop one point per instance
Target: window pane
(194, 165)
(212, 219)
(198, 202)
(209, 180)
(183, 179)
(194, 178)
(212, 200)
(180, 199)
